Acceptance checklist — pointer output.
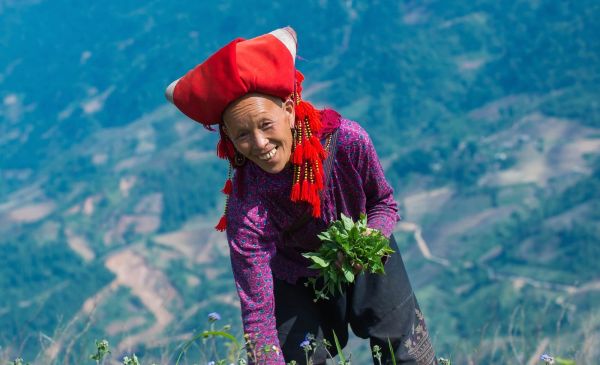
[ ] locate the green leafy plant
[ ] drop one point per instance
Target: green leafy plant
(102, 349)
(18, 361)
(212, 334)
(376, 350)
(551, 360)
(349, 248)
(133, 360)
(343, 360)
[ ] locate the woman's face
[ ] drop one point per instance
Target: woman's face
(260, 127)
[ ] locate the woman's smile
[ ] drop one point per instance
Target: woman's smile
(269, 155)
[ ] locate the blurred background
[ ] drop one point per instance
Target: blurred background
(485, 115)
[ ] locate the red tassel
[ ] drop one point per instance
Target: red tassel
(222, 225)
(295, 192)
(298, 154)
(309, 152)
(299, 79)
(315, 201)
(302, 111)
(320, 152)
(316, 208)
(304, 192)
(228, 188)
(315, 194)
(306, 110)
(225, 149)
(315, 121)
(310, 194)
(221, 150)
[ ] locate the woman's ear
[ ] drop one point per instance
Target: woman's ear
(288, 108)
(224, 129)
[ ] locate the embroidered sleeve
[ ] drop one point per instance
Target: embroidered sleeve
(251, 246)
(381, 209)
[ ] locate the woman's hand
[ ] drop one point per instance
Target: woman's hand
(356, 268)
(341, 258)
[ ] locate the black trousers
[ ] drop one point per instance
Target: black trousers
(377, 307)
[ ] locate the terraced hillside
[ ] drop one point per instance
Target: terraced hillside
(485, 115)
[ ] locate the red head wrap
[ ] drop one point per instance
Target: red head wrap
(264, 65)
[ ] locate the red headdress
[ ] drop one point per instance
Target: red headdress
(264, 64)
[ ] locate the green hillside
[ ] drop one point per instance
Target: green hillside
(485, 115)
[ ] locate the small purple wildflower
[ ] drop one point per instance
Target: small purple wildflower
(547, 358)
(211, 363)
(304, 344)
(213, 317)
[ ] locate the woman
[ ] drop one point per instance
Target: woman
(296, 169)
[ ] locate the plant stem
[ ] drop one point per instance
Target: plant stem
(392, 351)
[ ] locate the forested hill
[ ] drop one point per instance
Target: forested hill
(485, 115)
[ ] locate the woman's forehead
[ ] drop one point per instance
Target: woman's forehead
(251, 108)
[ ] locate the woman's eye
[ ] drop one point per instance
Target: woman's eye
(267, 125)
(241, 136)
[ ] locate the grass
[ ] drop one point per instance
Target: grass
(243, 352)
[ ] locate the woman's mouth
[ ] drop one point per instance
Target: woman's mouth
(269, 155)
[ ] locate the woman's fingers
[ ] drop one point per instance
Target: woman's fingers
(341, 258)
(356, 268)
(339, 262)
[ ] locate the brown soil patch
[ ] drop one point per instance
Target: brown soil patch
(90, 305)
(196, 242)
(32, 212)
(22, 197)
(90, 204)
(152, 288)
(491, 111)
(80, 245)
(126, 183)
(124, 325)
(192, 280)
(421, 203)
(553, 147)
(141, 224)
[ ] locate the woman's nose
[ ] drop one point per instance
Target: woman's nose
(260, 141)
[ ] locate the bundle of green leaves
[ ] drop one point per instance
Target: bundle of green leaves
(349, 248)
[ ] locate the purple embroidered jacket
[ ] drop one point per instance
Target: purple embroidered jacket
(259, 212)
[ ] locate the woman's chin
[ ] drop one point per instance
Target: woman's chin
(272, 169)
(274, 166)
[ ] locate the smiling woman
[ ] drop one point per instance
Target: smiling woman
(296, 170)
(260, 127)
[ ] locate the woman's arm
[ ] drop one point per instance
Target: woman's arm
(381, 208)
(251, 246)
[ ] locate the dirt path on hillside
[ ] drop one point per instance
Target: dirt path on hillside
(423, 247)
(152, 288)
(517, 281)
